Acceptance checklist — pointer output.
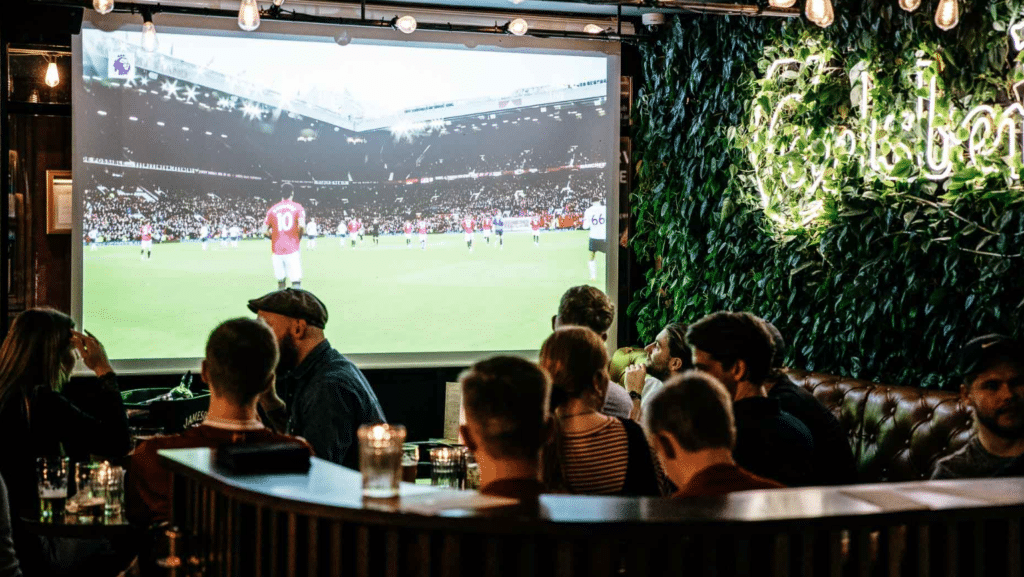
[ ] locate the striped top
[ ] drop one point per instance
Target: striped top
(595, 460)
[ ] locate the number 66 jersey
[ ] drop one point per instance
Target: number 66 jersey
(594, 220)
(285, 220)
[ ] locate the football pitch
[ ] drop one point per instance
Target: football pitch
(382, 298)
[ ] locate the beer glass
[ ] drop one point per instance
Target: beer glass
(52, 481)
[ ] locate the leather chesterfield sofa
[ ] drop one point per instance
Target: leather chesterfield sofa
(897, 433)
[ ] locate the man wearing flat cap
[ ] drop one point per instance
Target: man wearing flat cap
(325, 397)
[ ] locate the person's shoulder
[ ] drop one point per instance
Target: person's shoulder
(956, 464)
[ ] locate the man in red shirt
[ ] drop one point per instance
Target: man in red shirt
(693, 431)
(241, 356)
(487, 229)
(535, 225)
(146, 234)
(353, 231)
(469, 225)
(408, 234)
(286, 222)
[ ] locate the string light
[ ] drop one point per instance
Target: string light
(517, 27)
(910, 5)
(781, 3)
(249, 15)
(149, 41)
(52, 75)
(278, 3)
(595, 29)
(947, 16)
(405, 24)
(820, 12)
(103, 6)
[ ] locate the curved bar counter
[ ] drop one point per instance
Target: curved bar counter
(318, 524)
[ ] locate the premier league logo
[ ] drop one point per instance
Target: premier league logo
(121, 65)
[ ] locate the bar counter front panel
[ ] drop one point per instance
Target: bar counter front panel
(318, 524)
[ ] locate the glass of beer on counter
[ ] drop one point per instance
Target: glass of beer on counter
(52, 480)
(380, 459)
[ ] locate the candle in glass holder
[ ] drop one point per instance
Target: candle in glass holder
(380, 459)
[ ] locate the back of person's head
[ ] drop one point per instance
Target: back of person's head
(987, 352)
(729, 337)
(576, 359)
(586, 306)
(241, 355)
(287, 191)
(696, 410)
(506, 401)
(36, 352)
(778, 345)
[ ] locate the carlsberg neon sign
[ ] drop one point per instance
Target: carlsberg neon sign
(799, 170)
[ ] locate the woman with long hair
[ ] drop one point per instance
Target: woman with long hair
(589, 452)
(43, 414)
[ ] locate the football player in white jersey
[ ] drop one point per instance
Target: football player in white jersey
(594, 220)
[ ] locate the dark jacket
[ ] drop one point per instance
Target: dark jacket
(834, 463)
(772, 443)
(328, 398)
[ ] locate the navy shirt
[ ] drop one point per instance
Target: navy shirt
(328, 399)
(772, 443)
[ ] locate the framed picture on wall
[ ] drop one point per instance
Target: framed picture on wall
(58, 202)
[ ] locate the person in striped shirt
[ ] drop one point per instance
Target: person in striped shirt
(590, 452)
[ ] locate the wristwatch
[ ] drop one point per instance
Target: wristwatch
(634, 395)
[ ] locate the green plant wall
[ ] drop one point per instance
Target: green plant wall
(791, 192)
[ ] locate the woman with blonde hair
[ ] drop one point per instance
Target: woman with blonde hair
(589, 452)
(42, 414)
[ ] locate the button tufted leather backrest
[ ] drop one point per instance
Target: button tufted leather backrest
(897, 433)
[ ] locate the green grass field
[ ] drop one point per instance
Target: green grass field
(381, 299)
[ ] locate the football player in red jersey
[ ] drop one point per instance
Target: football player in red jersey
(353, 230)
(408, 234)
(535, 225)
(486, 226)
(146, 234)
(286, 222)
(469, 225)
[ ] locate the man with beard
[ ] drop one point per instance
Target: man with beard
(325, 397)
(667, 356)
(993, 386)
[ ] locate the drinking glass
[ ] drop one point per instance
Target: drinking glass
(410, 462)
(89, 501)
(113, 490)
(472, 472)
(442, 467)
(380, 459)
(52, 482)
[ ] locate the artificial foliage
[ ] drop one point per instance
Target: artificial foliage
(789, 190)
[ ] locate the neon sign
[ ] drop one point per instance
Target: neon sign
(799, 170)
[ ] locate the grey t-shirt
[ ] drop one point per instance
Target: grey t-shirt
(972, 460)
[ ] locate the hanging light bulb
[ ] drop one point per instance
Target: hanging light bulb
(517, 27)
(947, 16)
(249, 15)
(593, 29)
(149, 41)
(820, 12)
(278, 2)
(52, 75)
(910, 5)
(406, 24)
(781, 3)
(103, 6)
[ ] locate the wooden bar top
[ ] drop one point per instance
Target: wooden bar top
(332, 491)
